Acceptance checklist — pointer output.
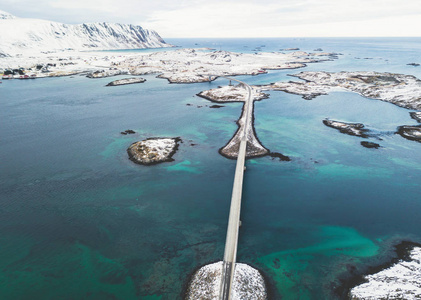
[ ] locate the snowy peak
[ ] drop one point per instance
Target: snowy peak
(5, 15)
(19, 35)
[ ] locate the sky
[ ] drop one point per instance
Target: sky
(236, 18)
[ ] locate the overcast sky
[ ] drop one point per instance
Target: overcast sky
(236, 18)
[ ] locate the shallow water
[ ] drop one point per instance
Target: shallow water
(81, 221)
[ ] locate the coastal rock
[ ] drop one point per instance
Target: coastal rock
(231, 93)
(355, 129)
(399, 89)
(126, 81)
(400, 281)
(128, 131)
(280, 156)
(153, 150)
(370, 145)
(308, 90)
(248, 283)
(416, 116)
(289, 49)
(410, 132)
(106, 73)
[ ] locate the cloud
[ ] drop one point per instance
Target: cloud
(272, 18)
(235, 18)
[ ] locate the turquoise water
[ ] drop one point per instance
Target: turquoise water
(81, 221)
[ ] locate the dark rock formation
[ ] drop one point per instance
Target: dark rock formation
(280, 156)
(355, 129)
(126, 81)
(412, 133)
(370, 145)
(416, 116)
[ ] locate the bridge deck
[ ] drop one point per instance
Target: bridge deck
(231, 243)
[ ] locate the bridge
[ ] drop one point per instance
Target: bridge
(234, 222)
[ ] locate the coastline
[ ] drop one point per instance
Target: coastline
(401, 251)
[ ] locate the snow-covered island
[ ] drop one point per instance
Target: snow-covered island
(126, 81)
(248, 283)
(399, 89)
(400, 281)
(153, 150)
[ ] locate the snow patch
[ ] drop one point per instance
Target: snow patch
(401, 281)
(248, 283)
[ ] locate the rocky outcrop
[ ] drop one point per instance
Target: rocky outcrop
(308, 90)
(367, 144)
(355, 129)
(153, 150)
(126, 81)
(248, 283)
(280, 156)
(400, 281)
(106, 73)
(412, 133)
(231, 93)
(416, 116)
(128, 131)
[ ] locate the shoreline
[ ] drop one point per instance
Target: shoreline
(401, 251)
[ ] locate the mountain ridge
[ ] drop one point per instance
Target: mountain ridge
(19, 35)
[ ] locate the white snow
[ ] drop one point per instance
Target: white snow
(5, 15)
(401, 281)
(152, 150)
(190, 65)
(399, 89)
(28, 36)
(248, 283)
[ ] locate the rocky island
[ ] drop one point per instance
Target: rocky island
(153, 150)
(412, 133)
(248, 283)
(356, 129)
(126, 81)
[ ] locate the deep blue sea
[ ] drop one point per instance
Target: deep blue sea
(79, 220)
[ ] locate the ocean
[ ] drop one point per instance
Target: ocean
(79, 220)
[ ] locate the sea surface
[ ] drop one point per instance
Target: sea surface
(79, 220)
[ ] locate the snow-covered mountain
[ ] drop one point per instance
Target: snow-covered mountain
(20, 35)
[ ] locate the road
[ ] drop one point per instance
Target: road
(231, 242)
